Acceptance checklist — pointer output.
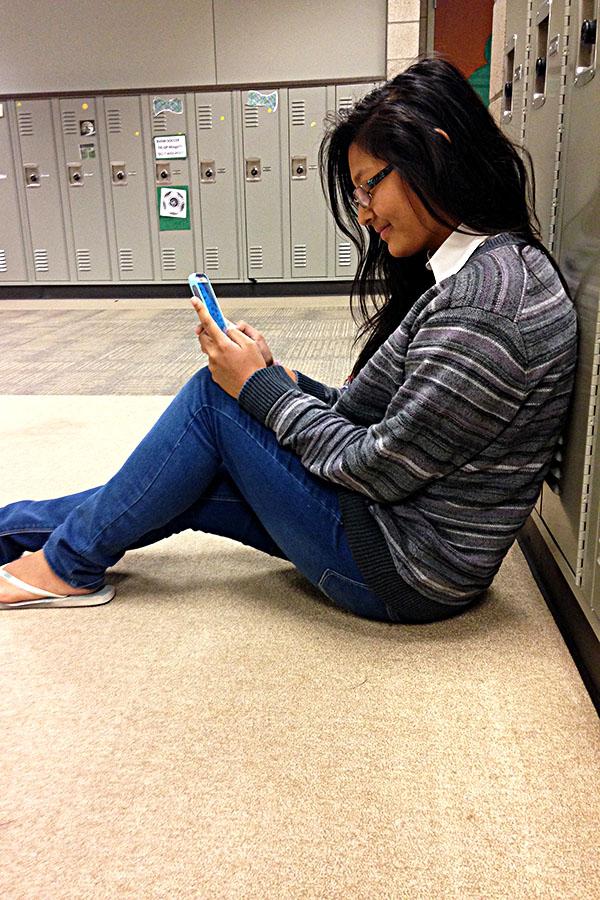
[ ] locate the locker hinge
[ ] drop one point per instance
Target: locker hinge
(587, 461)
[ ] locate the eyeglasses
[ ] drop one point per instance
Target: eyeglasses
(362, 196)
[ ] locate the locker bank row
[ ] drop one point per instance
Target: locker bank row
(550, 104)
(150, 187)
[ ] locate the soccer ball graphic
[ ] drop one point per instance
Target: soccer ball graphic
(173, 203)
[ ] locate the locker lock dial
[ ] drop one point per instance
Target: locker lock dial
(253, 170)
(299, 167)
(119, 174)
(163, 173)
(207, 171)
(32, 176)
(75, 174)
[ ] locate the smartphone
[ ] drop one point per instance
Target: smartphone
(202, 289)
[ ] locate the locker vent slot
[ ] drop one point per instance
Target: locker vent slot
(125, 259)
(3, 263)
(251, 116)
(169, 259)
(211, 257)
(298, 112)
(205, 117)
(256, 257)
(25, 120)
(345, 103)
(159, 123)
(40, 260)
(69, 122)
(84, 260)
(344, 254)
(299, 256)
(113, 120)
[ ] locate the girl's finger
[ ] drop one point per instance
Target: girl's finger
(210, 327)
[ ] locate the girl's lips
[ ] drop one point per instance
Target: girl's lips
(382, 234)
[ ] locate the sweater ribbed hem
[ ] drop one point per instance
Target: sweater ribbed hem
(372, 556)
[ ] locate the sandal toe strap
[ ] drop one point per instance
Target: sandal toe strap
(16, 582)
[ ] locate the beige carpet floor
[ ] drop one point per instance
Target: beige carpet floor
(220, 730)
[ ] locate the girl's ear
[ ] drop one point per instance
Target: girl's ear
(439, 130)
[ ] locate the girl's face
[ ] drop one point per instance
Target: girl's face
(395, 211)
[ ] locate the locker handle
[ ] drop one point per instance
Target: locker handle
(588, 31)
(540, 66)
(508, 89)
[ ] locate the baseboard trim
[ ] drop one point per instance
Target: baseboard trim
(123, 290)
(570, 619)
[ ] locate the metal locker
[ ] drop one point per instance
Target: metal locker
(516, 61)
(128, 187)
(13, 264)
(570, 516)
(545, 99)
(308, 209)
(266, 215)
(346, 259)
(220, 195)
(39, 174)
(170, 183)
(82, 184)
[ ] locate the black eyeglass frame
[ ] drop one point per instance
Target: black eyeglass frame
(370, 184)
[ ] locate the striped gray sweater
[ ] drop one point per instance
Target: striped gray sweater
(440, 445)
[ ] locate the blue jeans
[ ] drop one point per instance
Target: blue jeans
(206, 465)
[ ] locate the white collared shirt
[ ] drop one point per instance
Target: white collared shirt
(453, 253)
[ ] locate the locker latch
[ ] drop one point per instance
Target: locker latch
(253, 170)
(75, 174)
(119, 173)
(32, 176)
(163, 173)
(299, 167)
(207, 171)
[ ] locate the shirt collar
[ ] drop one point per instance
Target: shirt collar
(453, 253)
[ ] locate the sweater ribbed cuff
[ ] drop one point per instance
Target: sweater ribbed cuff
(312, 387)
(263, 389)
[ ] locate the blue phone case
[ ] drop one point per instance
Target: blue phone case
(202, 288)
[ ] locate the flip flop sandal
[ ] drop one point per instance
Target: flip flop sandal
(104, 595)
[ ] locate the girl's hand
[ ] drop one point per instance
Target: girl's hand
(259, 340)
(232, 357)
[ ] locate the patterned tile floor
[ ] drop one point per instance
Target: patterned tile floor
(137, 347)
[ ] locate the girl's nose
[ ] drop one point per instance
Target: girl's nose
(365, 215)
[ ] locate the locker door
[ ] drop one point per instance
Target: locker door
(171, 192)
(545, 97)
(13, 266)
(516, 59)
(220, 202)
(262, 172)
(308, 210)
(346, 96)
(82, 185)
(42, 192)
(129, 195)
(570, 515)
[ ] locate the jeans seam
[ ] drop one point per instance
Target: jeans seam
(25, 531)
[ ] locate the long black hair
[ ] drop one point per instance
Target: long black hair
(477, 179)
